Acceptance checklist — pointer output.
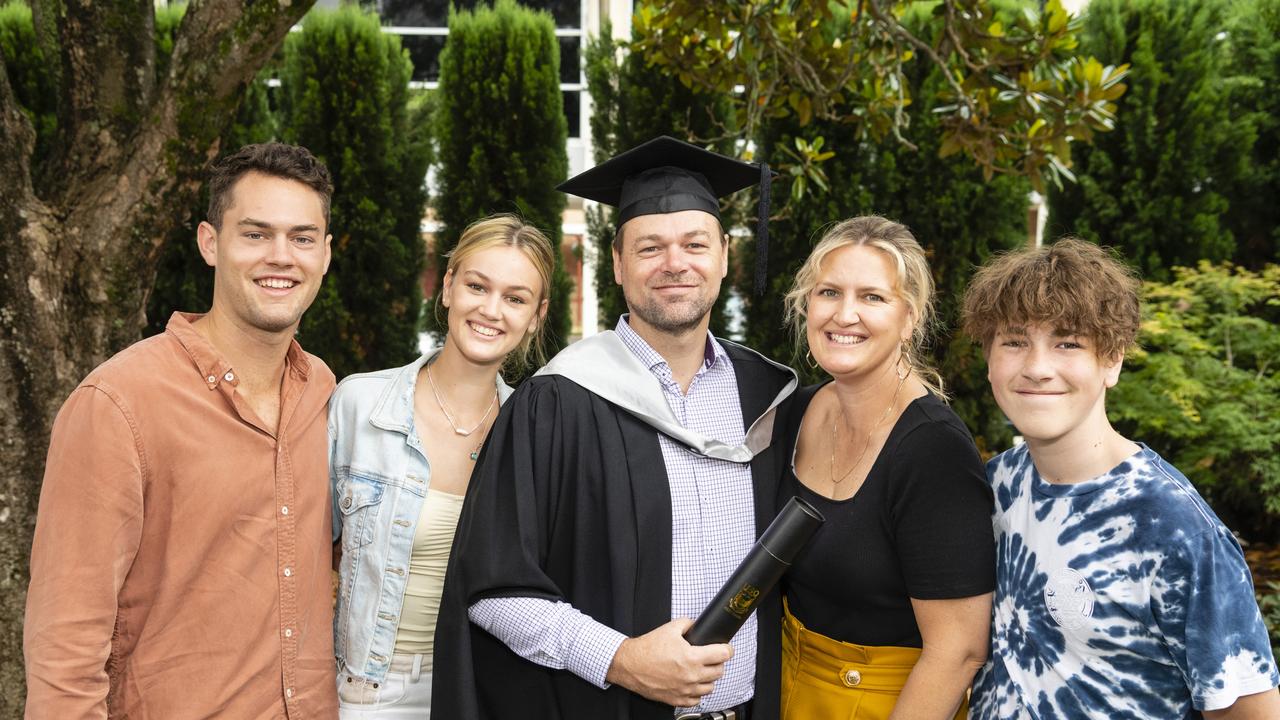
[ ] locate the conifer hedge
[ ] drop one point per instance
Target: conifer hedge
(500, 133)
(1253, 40)
(1157, 187)
(345, 96)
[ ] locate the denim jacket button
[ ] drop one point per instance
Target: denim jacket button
(346, 502)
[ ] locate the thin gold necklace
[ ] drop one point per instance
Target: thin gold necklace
(449, 416)
(867, 446)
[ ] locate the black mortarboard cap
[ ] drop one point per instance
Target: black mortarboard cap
(666, 175)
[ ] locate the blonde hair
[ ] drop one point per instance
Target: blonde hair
(914, 283)
(508, 230)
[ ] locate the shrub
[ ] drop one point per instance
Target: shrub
(1204, 389)
(1253, 41)
(1156, 187)
(345, 96)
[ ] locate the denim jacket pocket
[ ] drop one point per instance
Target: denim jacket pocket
(359, 501)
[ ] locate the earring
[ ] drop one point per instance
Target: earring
(808, 356)
(904, 355)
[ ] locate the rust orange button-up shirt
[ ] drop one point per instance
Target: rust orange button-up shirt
(181, 564)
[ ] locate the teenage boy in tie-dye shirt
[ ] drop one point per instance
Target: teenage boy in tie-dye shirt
(1119, 592)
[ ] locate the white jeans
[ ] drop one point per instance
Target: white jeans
(404, 694)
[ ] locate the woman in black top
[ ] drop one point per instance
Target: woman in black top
(889, 608)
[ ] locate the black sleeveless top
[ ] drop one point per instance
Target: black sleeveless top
(919, 527)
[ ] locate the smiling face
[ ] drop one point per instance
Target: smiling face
(495, 298)
(855, 320)
(1050, 384)
(270, 255)
(670, 266)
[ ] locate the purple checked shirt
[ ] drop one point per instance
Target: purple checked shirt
(712, 528)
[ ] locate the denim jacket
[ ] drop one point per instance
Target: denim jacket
(379, 475)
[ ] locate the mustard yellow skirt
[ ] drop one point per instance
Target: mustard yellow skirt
(829, 679)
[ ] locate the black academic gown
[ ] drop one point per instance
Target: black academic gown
(570, 501)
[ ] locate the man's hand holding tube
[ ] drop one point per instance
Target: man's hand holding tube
(661, 665)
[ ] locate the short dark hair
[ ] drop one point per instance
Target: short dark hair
(1072, 285)
(290, 162)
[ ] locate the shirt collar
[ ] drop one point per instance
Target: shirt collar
(394, 409)
(712, 351)
(214, 368)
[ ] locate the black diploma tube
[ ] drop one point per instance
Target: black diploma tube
(763, 567)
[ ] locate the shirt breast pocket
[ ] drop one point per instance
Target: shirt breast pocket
(359, 503)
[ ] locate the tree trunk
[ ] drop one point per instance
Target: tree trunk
(80, 231)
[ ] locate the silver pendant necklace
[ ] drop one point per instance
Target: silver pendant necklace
(448, 416)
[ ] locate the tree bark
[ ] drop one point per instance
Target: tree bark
(81, 231)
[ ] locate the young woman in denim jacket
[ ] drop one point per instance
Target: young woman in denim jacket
(402, 444)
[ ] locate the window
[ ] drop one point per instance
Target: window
(423, 27)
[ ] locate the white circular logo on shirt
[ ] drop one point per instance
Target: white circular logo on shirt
(1069, 598)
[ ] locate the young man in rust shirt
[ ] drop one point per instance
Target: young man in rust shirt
(180, 567)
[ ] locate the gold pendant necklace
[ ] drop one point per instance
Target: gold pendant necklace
(844, 420)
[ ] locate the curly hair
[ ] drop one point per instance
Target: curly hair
(1070, 286)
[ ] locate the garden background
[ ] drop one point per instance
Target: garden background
(1149, 126)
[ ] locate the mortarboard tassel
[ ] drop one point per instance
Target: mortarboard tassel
(762, 230)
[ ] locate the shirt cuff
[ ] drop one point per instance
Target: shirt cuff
(591, 652)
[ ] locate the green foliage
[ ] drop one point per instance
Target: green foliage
(167, 19)
(1156, 187)
(183, 280)
(1204, 389)
(1016, 91)
(959, 218)
(29, 74)
(635, 102)
(501, 133)
(345, 96)
(1253, 41)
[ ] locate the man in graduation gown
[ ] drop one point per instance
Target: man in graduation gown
(621, 486)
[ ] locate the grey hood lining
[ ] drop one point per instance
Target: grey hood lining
(603, 365)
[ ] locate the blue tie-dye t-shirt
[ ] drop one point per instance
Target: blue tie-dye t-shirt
(1120, 597)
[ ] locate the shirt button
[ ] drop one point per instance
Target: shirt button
(288, 572)
(228, 377)
(212, 379)
(288, 692)
(284, 510)
(288, 632)
(852, 678)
